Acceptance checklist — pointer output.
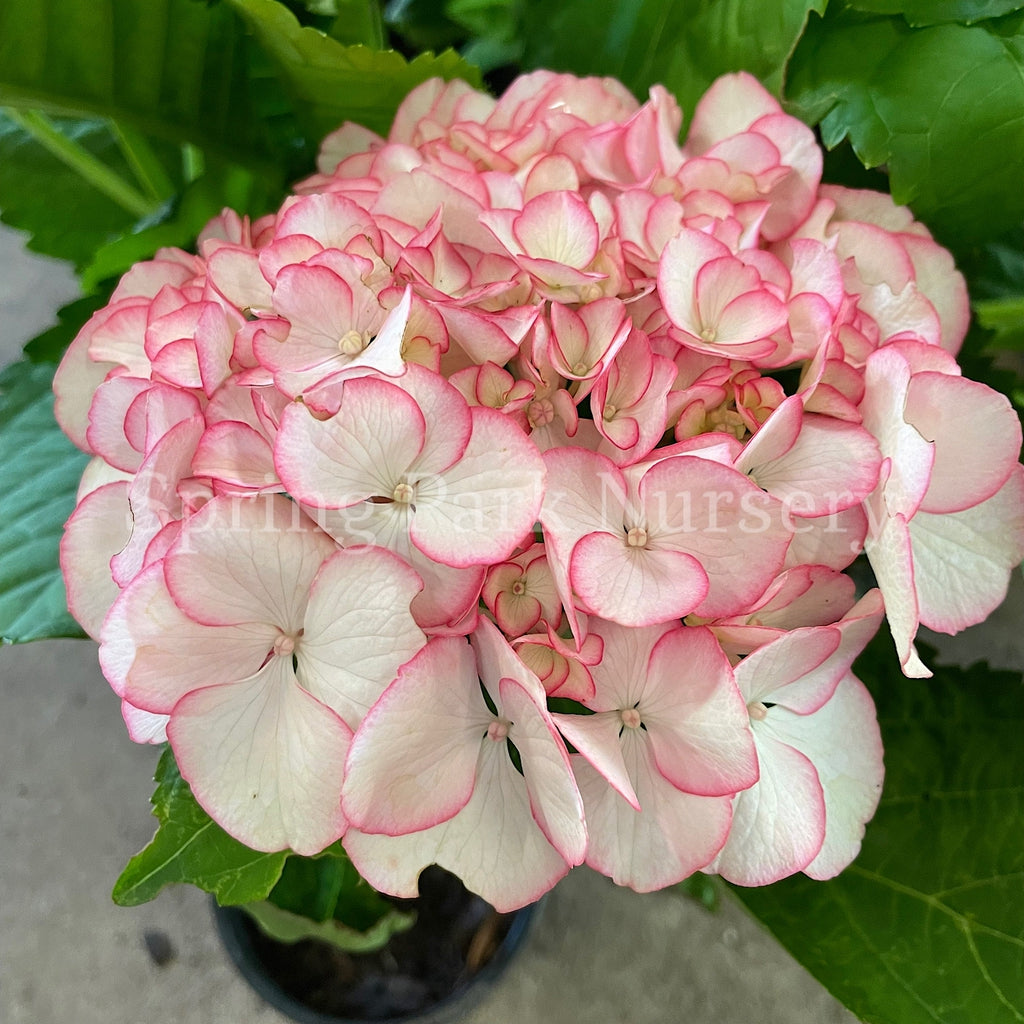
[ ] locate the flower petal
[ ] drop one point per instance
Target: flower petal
(358, 630)
(413, 760)
(98, 528)
(673, 835)
(695, 716)
(843, 742)
(778, 825)
(635, 586)
(246, 560)
(554, 799)
(265, 760)
(493, 844)
(153, 654)
(963, 560)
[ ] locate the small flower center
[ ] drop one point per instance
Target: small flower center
(727, 420)
(284, 645)
(757, 711)
(519, 587)
(541, 412)
(581, 369)
(498, 730)
(630, 718)
(637, 537)
(709, 334)
(610, 412)
(404, 493)
(351, 343)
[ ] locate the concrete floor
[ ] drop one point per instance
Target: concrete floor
(74, 806)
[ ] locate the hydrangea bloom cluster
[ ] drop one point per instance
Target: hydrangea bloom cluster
(489, 503)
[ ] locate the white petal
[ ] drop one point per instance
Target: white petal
(673, 834)
(480, 508)
(358, 630)
(265, 759)
(778, 825)
(596, 737)
(889, 552)
(98, 528)
(414, 757)
(962, 560)
(246, 560)
(493, 844)
(554, 799)
(696, 720)
(635, 586)
(153, 654)
(363, 451)
(795, 668)
(144, 726)
(843, 742)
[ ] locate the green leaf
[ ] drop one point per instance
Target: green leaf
(330, 83)
(176, 69)
(64, 216)
(41, 470)
(494, 29)
(486, 17)
(935, 12)
(684, 46)
(285, 926)
(355, 21)
(310, 886)
(423, 24)
(190, 847)
(324, 897)
(927, 925)
(705, 889)
(1006, 318)
(941, 107)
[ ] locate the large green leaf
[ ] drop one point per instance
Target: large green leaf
(927, 925)
(330, 83)
(935, 12)
(176, 69)
(685, 46)
(941, 107)
(39, 473)
(190, 847)
(65, 216)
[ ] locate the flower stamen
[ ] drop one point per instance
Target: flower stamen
(351, 343)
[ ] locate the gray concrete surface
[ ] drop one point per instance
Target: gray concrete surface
(74, 806)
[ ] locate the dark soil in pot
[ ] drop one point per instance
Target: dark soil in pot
(458, 944)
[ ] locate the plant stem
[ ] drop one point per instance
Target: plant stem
(143, 162)
(79, 159)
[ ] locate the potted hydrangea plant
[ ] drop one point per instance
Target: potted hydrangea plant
(489, 502)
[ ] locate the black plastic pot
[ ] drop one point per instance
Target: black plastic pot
(431, 974)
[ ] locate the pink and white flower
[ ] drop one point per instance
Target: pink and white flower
(449, 793)
(528, 402)
(662, 756)
(265, 645)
